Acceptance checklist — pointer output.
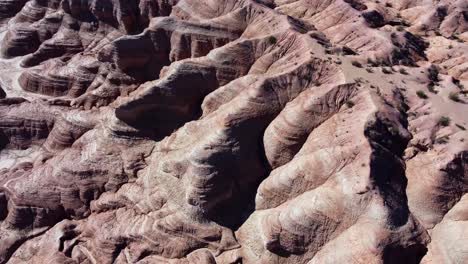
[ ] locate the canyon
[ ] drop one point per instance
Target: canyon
(233, 131)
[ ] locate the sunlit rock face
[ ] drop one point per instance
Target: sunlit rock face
(233, 131)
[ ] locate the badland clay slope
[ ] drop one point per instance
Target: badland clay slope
(233, 131)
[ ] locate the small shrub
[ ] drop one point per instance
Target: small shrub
(386, 71)
(456, 37)
(430, 87)
(454, 97)
(403, 71)
(349, 104)
(359, 80)
(424, 28)
(369, 70)
(442, 140)
(444, 121)
(433, 73)
(421, 94)
(460, 127)
(441, 11)
(372, 63)
(388, 5)
(400, 28)
(450, 47)
(457, 83)
(348, 51)
(356, 64)
(272, 40)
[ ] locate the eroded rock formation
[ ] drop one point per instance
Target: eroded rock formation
(233, 131)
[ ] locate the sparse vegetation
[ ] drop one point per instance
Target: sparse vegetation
(424, 29)
(444, 121)
(386, 71)
(272, 40)
(347, 51)
(369, 70)
(349, 104)
(457, 83)
(433, 73)
(356, 5)
(430, 87)
(460, 127)
(403, 71)
(442, 140)
(454, 97)
(400, 28)
(359, 80)
(441, 11)
(371, 62)
(456, 37)
(356, 64)
(421, 94)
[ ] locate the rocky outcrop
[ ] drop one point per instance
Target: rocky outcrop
(253, 131)
(443, 249)
(9, 8)
(22, 124)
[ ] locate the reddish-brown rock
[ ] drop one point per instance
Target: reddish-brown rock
(251, 131)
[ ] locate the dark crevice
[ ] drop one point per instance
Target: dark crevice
(398, 254)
